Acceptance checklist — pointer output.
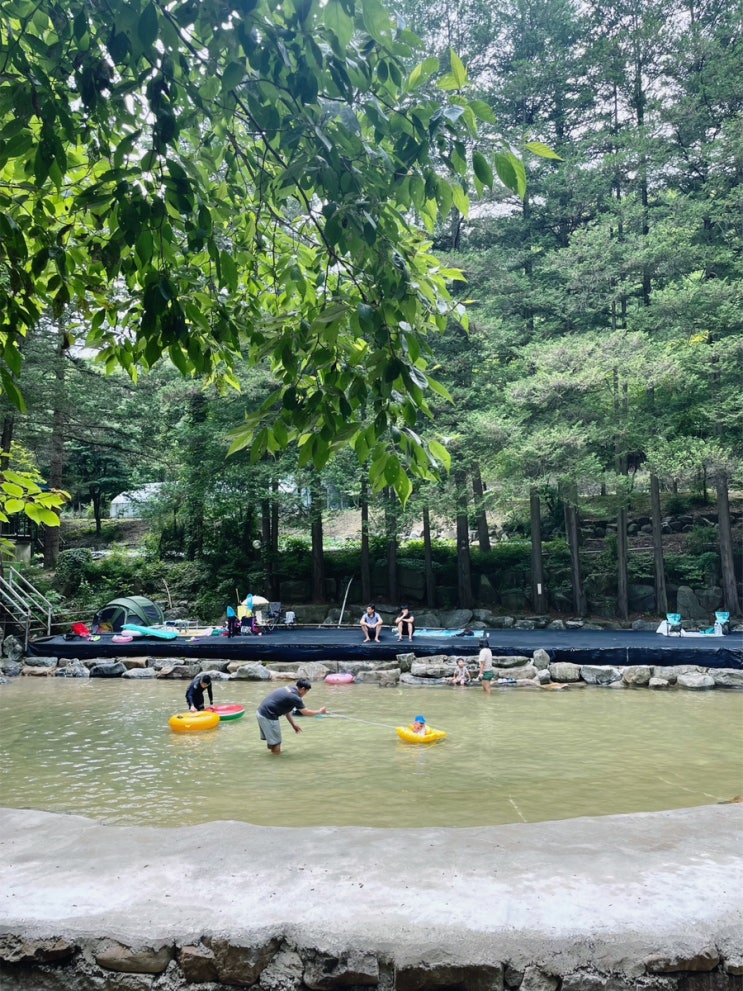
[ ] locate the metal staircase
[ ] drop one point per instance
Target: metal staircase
(24, 605)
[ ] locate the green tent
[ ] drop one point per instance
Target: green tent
(129, 609)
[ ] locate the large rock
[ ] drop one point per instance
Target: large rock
(73, 668)
(511, 660)
(486, 594)
(695, 681)
(13, 648)
(727, 678)
(455, 619)
(541, 660)
(564, 671)
(641, 598)
(670, 674)
(387, 678)
(39, 662)
(107, 669)
(112, 955)
(690, 607)
(251, 671)
(599, 674)
(637, 674)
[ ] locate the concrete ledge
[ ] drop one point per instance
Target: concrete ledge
(636, 895)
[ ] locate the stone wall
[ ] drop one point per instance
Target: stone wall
(529, 672)
(276, 963)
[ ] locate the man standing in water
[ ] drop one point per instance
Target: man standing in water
(283, 702)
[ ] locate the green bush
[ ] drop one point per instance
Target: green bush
(72, 567)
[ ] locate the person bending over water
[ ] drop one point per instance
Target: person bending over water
(195, 692)
(283, 702)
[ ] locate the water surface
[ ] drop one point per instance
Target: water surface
(103, 749)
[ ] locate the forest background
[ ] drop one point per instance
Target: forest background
(597, 372)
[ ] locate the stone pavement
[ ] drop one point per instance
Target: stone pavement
(655, 892)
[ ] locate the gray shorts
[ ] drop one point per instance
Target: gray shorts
(270, 730)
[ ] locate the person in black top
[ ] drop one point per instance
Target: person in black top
(195, 693)
(284, 702)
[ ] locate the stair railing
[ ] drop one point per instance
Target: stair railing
(25, 603)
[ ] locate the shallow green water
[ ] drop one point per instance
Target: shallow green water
(103, 749)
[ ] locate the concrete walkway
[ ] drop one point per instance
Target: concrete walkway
(614, 891)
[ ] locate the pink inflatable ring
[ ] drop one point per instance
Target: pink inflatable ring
(339, 679)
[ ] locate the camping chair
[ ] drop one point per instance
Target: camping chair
(674, 622)
(722, 623)
(290, 618)
(273, 616)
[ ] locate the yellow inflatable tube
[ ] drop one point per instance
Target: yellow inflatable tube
(430, 736)
(187, 722)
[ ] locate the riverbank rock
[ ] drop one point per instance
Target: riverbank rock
(695, 681)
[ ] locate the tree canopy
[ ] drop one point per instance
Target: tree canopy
(218, 182)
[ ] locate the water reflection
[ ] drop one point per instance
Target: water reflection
(104, 749)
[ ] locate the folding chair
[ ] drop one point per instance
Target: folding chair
(722, 623)
(290, 618)
(273, 616)
(674, 622)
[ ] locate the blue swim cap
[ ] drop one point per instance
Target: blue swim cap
(419, 719)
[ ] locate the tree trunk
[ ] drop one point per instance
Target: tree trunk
(478, 489)
(622, 572)
(318, 563)
(538, 593)
(366, 585)
(428, 560)
(390, 530)
(464, 572)
(572, 533)
(5, 441)
(274, 514)
(727, 562)
(266, 542)
(56, 460)
(96, 500)
(661, 595)
(193, 530)
(620, 464)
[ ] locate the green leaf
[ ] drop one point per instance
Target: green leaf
(339, 22)
(482, 169)
(483, 111)
(440, 453)
(233, 75)
(544, 151)
(458, 70)
(511, 172)
(147, 26)
(422, 73)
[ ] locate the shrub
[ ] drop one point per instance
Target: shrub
(72, 567)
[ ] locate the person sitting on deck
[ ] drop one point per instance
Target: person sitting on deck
(405, 624)
(371, 623)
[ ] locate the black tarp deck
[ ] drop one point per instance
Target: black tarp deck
(616, 647)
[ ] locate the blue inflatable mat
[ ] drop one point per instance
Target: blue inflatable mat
(151, 631)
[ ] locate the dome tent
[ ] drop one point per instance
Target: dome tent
(128, 609)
